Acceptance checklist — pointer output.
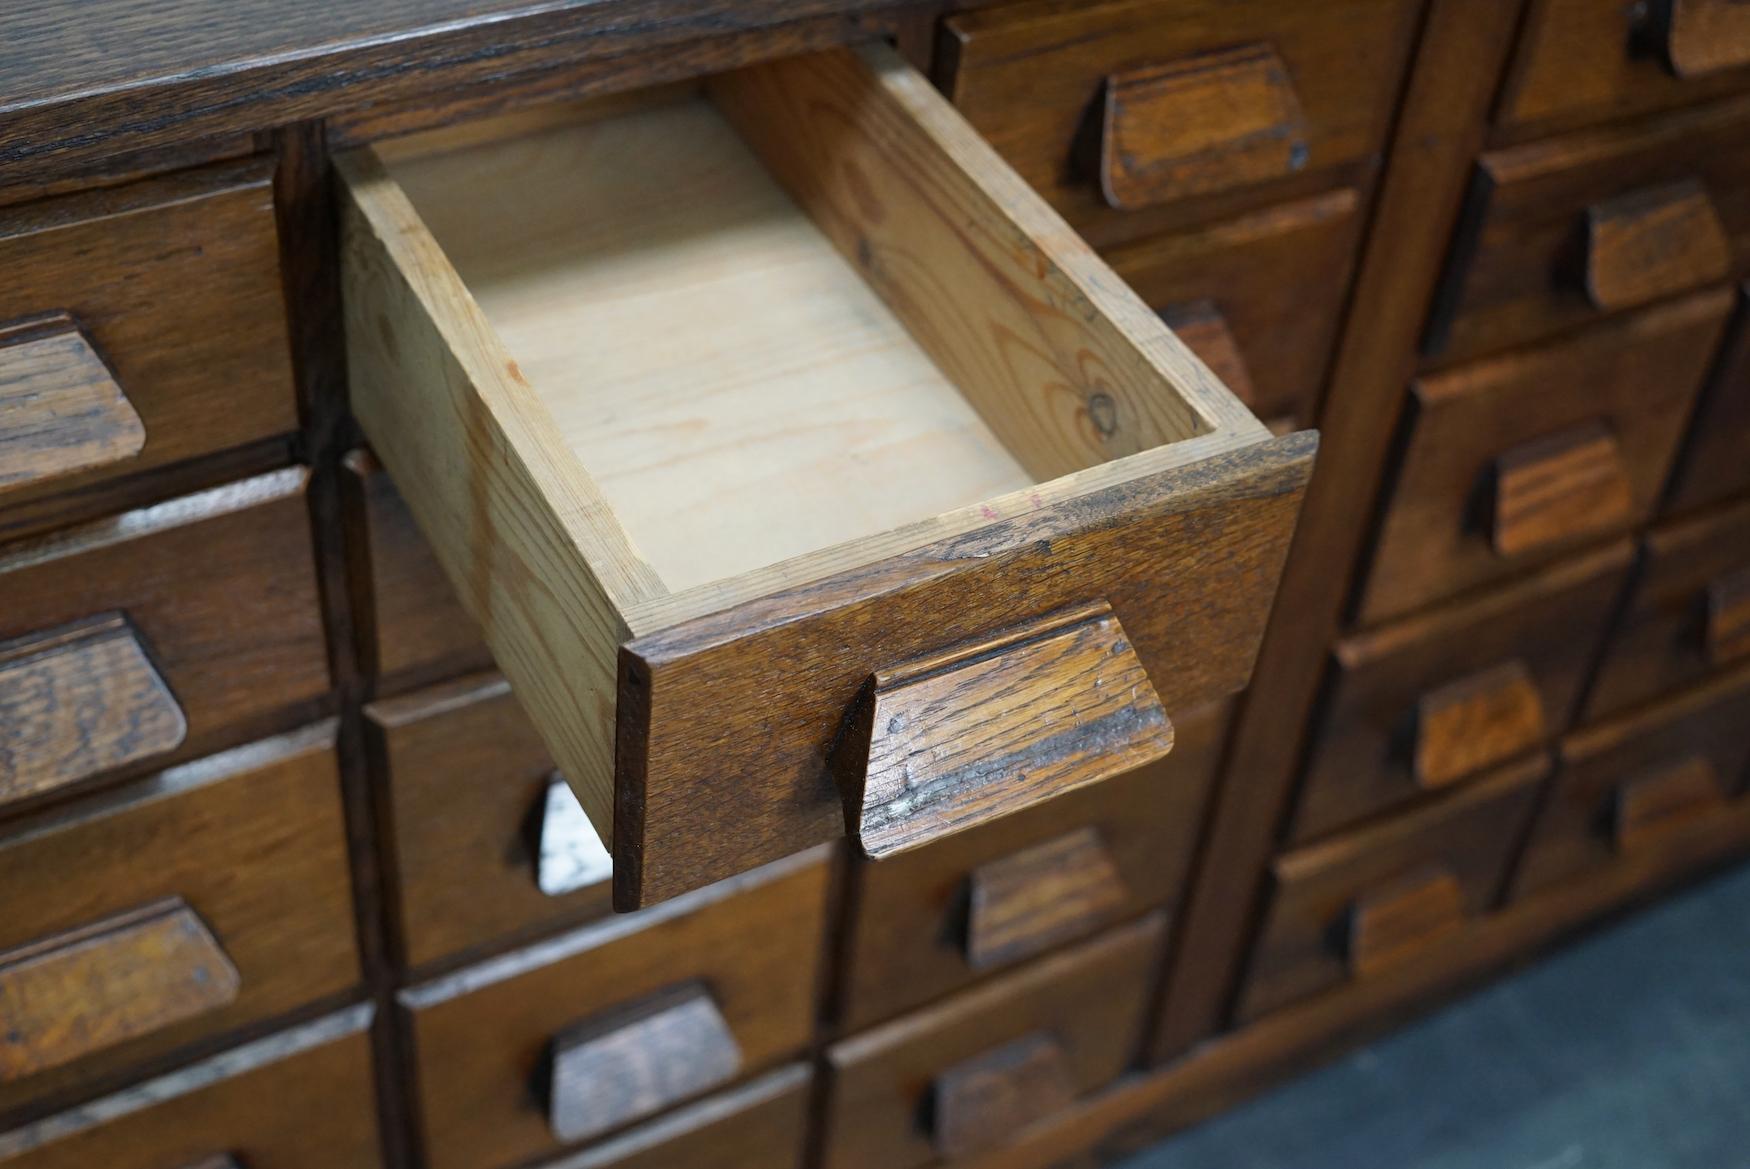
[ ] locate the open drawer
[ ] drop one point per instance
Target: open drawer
(805, 472)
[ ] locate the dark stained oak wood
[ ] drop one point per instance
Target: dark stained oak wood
(983, 730)
(1716, 458)
(1401, 916)
(62, 409)
(981, 1102)
(251, 842)
(1555, 489)
(1026, 902)
(301, 1097)
(1651, 243)
(1481, 719)
(1657, 803)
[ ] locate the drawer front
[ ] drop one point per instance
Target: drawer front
(1124, 109)
(1258, 298)
(1688, 614)
(176, 908)
(952, 1081)
(1436, 700)
(140, 326)
(410, 626)
(1512, 461)
(1589, 60)
(1563, 232)
(933, 920)
(1716, 456)
(1637, 786)
(297, 1099)
(157, 634)
(1353, 906)
(512, 1055)
(488, 842)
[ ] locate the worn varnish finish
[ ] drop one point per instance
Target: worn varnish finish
(62, 407)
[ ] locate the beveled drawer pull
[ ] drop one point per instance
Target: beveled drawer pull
(1703, 36)
(984, 1101)
(1396, 919)
(1728, 617)
(1201, 325)
(571, 854)
(1652, 243)
(61, 409)
(1476, 721)
(1207, 123)
(636, 1061)
(1554, 489)
(965, 736)
(1651, 805)
(79, 700)
(66, 996)
(1031, 900)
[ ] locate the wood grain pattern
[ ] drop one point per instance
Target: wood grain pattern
(1391, 921)
(1477, 721)
(107, 982)
(1652, 243)
(1716, 458)
(175, 282)
(1637, 379)
(482, 1037)
(62, 407)
(976, 732)
(1559, 488)
(298, 1097)
(638, 1060)
(1703, 36)
(1207, 123)
(1666, 800)
(251, 841)
(982, 1102)
(78, 701)
(1031, 900)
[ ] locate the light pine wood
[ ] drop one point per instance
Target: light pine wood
(60, 407)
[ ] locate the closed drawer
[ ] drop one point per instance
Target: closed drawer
(157, 635)
(756, 1126)
(933, 920)
(172, 909)
(1716, 457)
(1140, 107)
(1512, 461)
(1415, 707)
(713, 504)
(140, 326)
(1639, 787)
(1687, 616)
(1562, 232)
(574, 1038)
(1587, 60)
(1258, 298)
(488, 840)
(300, 1098)
(947, 1083)
(1355, 906)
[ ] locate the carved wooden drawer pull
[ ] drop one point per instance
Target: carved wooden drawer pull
(571, 854)
(1477, 721)
(1652, 243)
(984, 1101)
(64, 997)
(1396, 919)
(1703, 36)
(1650, 805)
(79, 700)
(1728, 617)
(631, 1063)
(1554, 489)
(1202, 326)
(963, 737)
(60, 407)
(1030, 901)
(1208, 123)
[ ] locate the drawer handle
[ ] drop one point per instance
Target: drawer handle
(984, 1101)
(1554, 489)
(79, 700)
(66, 996)
(1206, 123)
(1029, 901)
(571, 855)
(631, 1063)
(62, 408)
(1728, 617)
(1202, 327)
(1652, 243)
(1401, 917)
(959, 738)
(1652, 805)
(1475, 722)
(1703, 36)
